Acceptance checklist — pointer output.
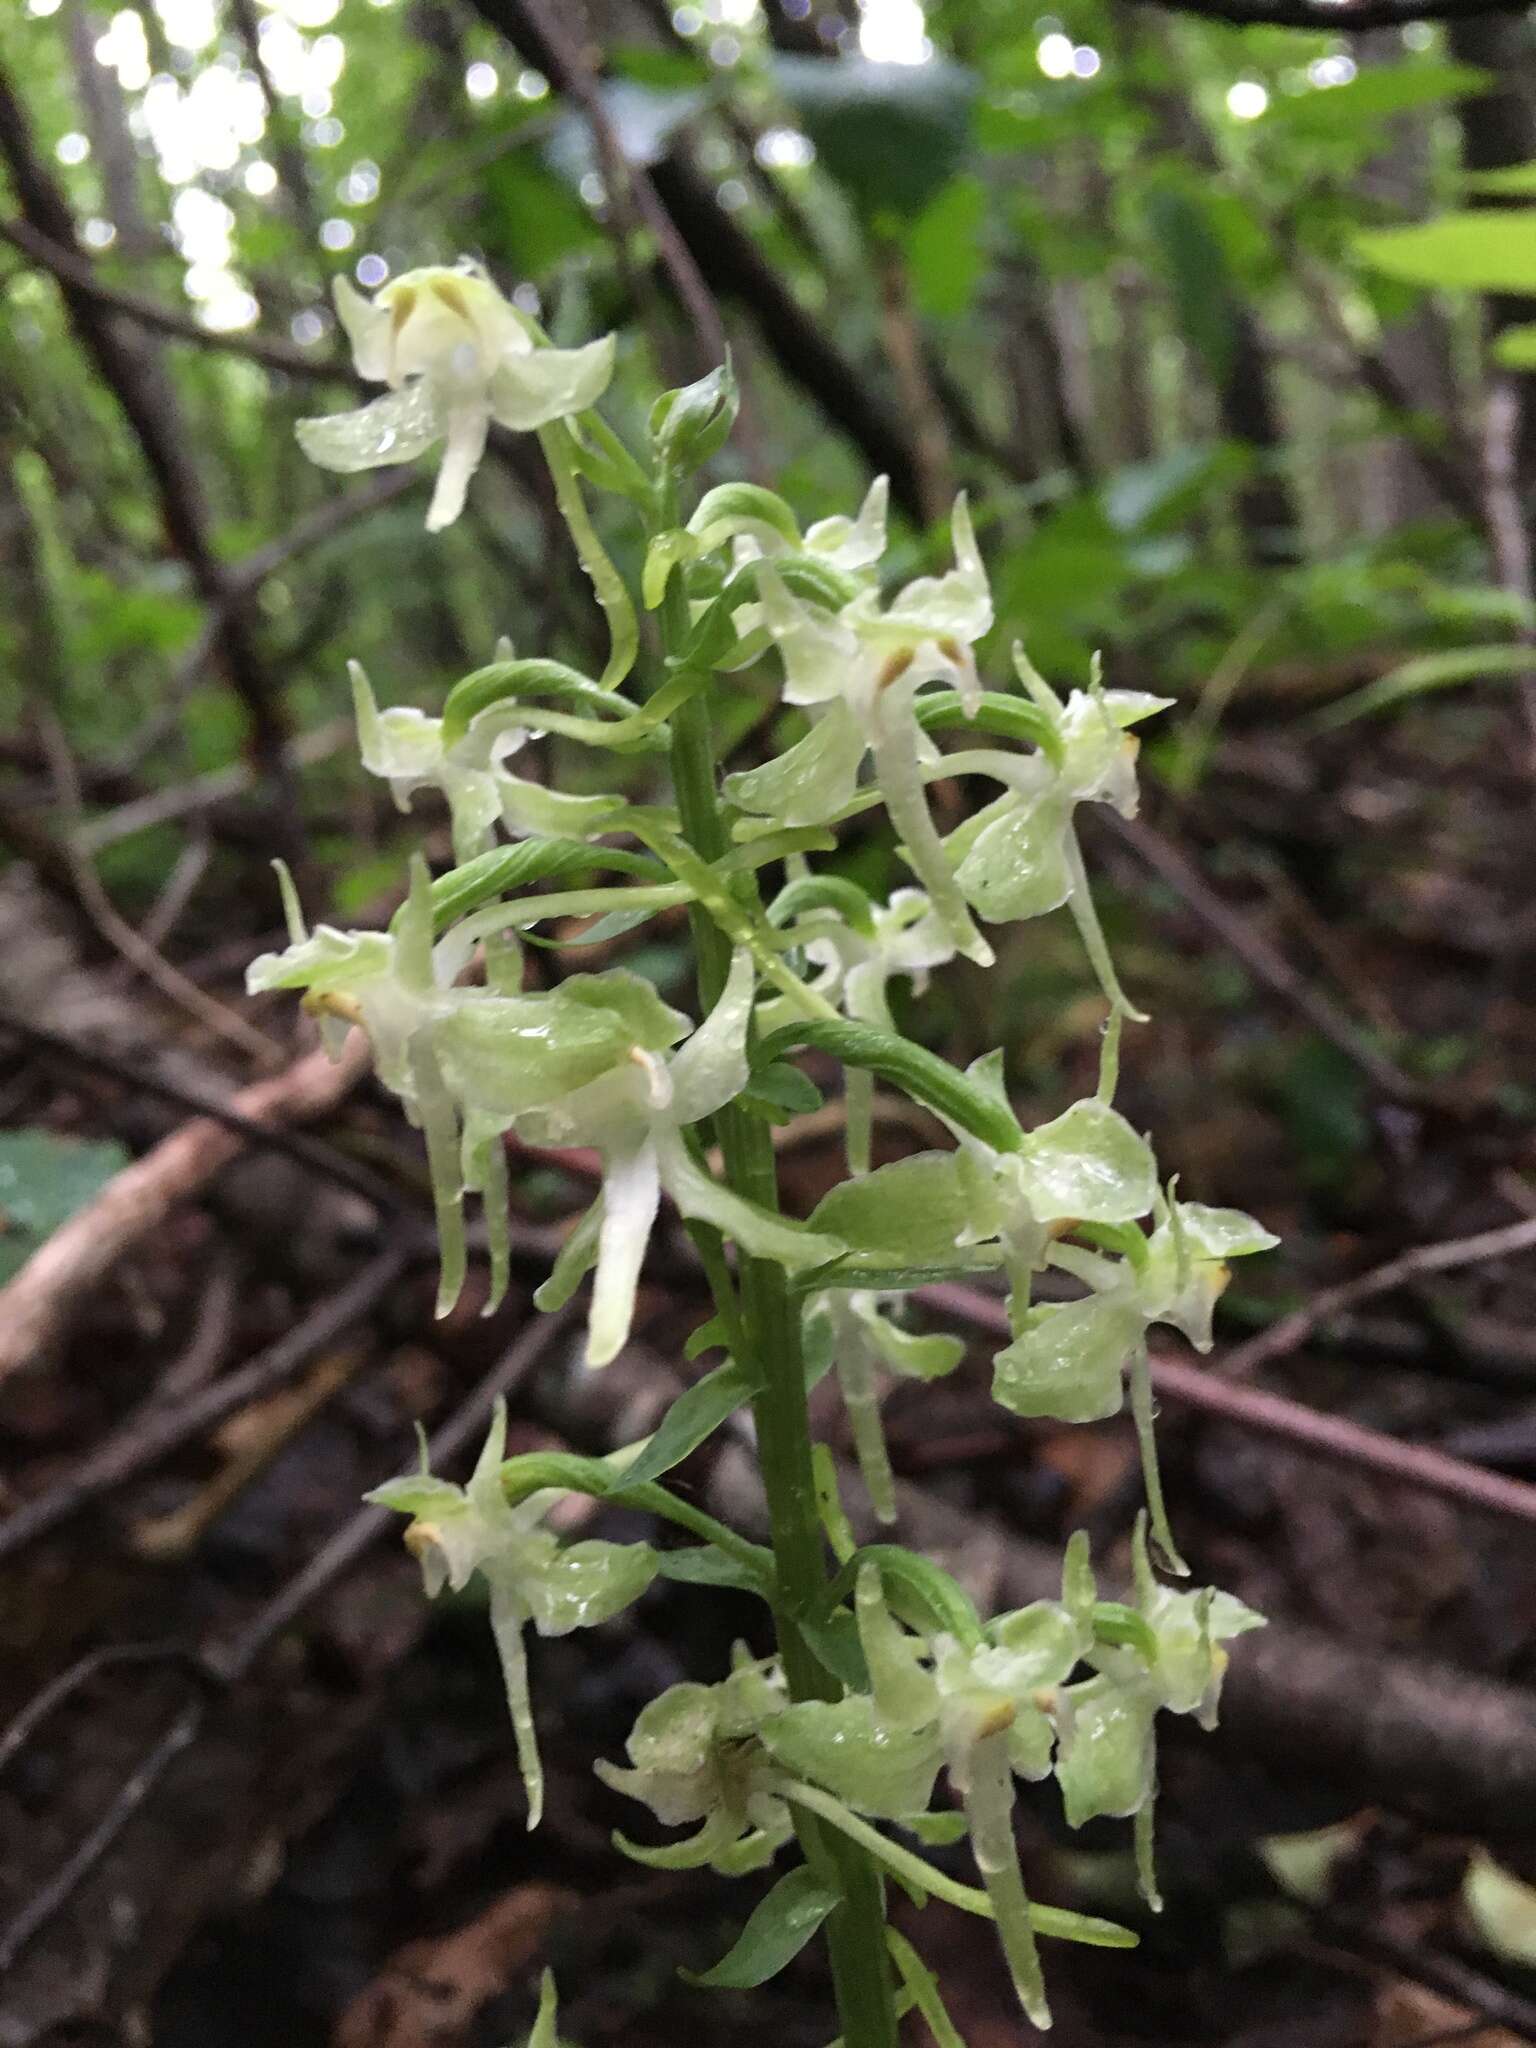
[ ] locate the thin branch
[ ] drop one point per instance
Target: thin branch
(37, 1303)
(630, 184)
(1292, 1331)
(1263, 960)
(303, 1150)
(148, 1437)
(1333, 17)
(1306, 1429)
(220, 1666)
(149, 405)
(72, 270)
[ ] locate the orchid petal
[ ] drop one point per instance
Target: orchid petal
(467, 426)
(395, 428)
(711, 1069)
(528, 391)
(631, 1195)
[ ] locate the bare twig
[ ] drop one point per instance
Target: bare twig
(204, 792)
(149, 405)
(74, 271)
(151, 1435)
(1263, 960)
(302, 1149)
(35, 1305)
(629, 183)
(1292, 1331)
(1306, 1429)
(221, 1666)
(1508, 532)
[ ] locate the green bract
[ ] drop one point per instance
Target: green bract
(456, 356)
(457, 1531)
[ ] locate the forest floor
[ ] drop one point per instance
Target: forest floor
(272, 1797)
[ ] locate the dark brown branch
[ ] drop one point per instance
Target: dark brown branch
(148, 1437)
(1334, 1437)
(1264, 961)
(1334, 17)
(220, 1666)
(735, 268)
(73, 271)
(303, 1150)
(149, 405)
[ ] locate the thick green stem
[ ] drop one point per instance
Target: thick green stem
(771, 1328)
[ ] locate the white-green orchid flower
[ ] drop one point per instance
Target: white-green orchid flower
(635, 1115)
(864, 1343)
(1107, 1760)
(465, 1062)
(1018, 856)
(981, 1708)
(1070, 1360)
(530, 1575)
(1086, 1165)
(858, 672)
(405, 748)
(456, 355)
(857, 949)
(694, 1756)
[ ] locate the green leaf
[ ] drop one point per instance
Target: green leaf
(44, 1179)
(911, 1067)
(1428, 672)
(1195, 265)
(1515, 348)
(780, 1926)
(1514, 180)
(780, 1092)
(1485, 249)
(693, 1416)
(946, 250)
(892, 135)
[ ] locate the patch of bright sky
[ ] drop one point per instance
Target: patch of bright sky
(784, 149)
(482, 81)
(1247, 99)
(894, 32)
(1326, 71)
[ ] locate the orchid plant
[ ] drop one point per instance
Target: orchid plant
(876, 1682)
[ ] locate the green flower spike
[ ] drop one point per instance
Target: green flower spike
(457, 1531)
(1107, 1762)
(859, 671)
(1069, 1359)
(635, 1114)
(1018, 857)
(456, 356)
(694, 1757)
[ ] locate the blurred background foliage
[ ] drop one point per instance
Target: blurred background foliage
(1221, 325)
